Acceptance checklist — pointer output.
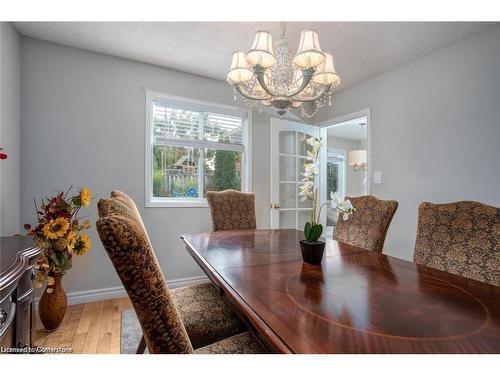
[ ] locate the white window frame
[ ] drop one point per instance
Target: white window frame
(245, 148)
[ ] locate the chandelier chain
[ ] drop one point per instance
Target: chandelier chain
(282, 30)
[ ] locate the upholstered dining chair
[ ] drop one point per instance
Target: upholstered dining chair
(205, 315)
(135, 262)
(231, 209)
(367, 226)
(461, 238)
(129, 202)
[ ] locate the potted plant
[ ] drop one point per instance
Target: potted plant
(59, 233)
(312, 248)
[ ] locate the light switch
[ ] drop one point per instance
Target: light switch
(377, 177)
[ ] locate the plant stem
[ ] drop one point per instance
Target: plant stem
(320, 208)
(314, 206)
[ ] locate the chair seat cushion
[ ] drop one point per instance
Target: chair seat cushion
(206, 315)
(243, 343)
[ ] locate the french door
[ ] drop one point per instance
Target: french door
(288, 156)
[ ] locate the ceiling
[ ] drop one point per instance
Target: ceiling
(361, 49)
(349, 129)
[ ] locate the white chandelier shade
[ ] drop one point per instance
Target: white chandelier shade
(272, 76)
(326, 74)
(309, 53)
(240, 70)
(262, 52)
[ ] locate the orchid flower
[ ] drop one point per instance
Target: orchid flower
(348, 205)
(311, 170)
(340, 205)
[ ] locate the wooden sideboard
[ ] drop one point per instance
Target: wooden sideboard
(18, 255)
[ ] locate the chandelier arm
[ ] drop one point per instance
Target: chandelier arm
(310, 99)
(248, 96)
(307, 75)
(259, 73)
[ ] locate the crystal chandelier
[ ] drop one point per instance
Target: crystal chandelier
(274, 77)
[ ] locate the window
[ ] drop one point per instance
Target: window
(193, 147)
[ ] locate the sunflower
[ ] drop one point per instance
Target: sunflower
(56, 228)
(83, 244)
(71, 241)
(85, 196)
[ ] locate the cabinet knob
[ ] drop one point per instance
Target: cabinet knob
(276, 206)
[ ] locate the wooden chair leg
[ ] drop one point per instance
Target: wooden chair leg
(142, 346)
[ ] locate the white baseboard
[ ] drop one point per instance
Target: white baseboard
(95, 295)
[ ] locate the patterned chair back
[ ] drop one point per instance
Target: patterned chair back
(124, 198)
(231, 209)
(134, 259)
(368, 225)
(113, 207)
(461, 238)
(120, 204)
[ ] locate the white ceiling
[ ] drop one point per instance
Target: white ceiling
(349, 129)
(361, 49)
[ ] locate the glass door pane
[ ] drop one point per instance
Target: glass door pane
(294, 213)
(287, 168)
(287, 142)
(288, 196)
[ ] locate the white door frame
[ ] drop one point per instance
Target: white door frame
(324, 125)
(278, 125)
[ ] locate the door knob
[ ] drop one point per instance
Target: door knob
(276, 206)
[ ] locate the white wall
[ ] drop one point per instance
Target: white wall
(10, 129)
(435, 130)
(83, 123)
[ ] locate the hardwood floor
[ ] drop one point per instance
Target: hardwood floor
(91, 328)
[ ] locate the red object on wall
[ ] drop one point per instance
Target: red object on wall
(3, 154)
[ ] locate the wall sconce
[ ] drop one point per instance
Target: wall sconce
(357, 159)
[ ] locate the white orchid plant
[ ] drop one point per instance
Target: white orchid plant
(313, 229)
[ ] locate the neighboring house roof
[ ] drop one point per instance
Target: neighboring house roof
(183, 160)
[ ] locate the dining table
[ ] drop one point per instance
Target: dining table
(356, 301)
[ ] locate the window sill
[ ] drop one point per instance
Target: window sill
(180, 203)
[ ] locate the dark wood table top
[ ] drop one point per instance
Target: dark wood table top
(358, 301)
